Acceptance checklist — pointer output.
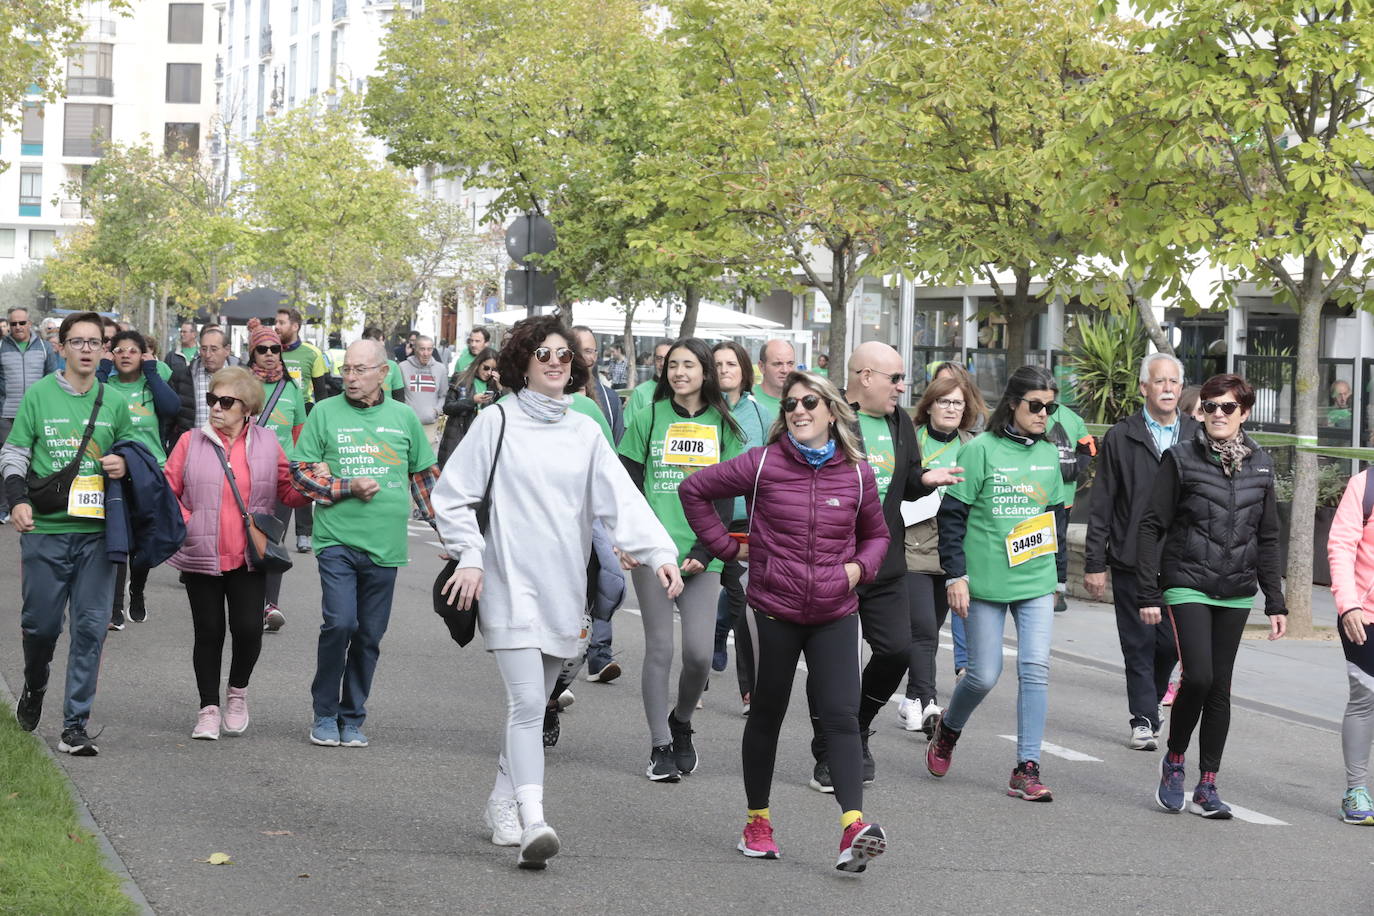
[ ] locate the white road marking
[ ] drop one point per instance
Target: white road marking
(1063, 752)
(1254, 817)
(1007, 651)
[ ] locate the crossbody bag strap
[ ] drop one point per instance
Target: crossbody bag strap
(753, 500)
(233, 483)
(491, 476)
(272, 401)
(75, 467)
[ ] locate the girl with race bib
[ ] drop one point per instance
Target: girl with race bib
(1000, 556)
(687, 426)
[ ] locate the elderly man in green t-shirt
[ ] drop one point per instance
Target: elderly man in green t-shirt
(64, 417)
(361, 457)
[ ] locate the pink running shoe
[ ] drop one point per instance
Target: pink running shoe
(236, 711)
(940, 750)
(860, 844)
(207, 724)
(757, 842)
(1170, 694)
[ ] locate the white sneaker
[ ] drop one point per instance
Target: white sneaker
(502, 817)
(538, 844)
(1143, 739)
(929, 715)
(909, 712)
(566, 699)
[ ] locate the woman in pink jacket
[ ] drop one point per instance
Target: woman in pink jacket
(1350, 548)
(822, 534)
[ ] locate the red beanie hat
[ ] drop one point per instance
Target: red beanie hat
(259, 333)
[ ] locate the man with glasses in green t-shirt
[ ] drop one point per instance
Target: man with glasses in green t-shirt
(65, 566)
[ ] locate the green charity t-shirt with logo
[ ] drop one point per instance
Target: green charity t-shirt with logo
(143, 419)
(51, 423)
(639, 399)
(287, 413)
(384, 442)
(882, 453)
(671, 447)
(1074, 430)
(304, 364)
(394, 378)
(1006, 485)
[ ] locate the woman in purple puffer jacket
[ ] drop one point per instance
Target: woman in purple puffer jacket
(821, 533)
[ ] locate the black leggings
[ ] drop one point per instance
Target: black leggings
(832, 658)
(732, 587)
(242, 591)
(1208, 639)
(137, 580)
(925, 595)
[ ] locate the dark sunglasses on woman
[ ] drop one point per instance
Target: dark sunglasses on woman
(264, 349)
(1226, 407)
(1037, 406)
(810, 402)
(544, 354)
(225, 402)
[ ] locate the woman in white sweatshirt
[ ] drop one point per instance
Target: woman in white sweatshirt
(555, 474)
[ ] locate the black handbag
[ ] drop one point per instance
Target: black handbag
(265, 531)
(462, 625)
(49, 494)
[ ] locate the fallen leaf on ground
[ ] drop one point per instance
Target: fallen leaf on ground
(219, 858)
(276, 833)
(302, 876)
(12, 796)
(76, 838)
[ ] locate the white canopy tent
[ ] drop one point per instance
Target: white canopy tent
(605, 317)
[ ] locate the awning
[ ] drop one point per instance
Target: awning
(606, 317)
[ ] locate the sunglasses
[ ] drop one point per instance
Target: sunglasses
(223, 400)
(1037, 406)
(1226, 407)
(264, 349)
(18, 324)
(810, 402)
(895, 378)
(544, 354)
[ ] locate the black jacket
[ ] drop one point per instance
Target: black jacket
(906, 485)
(143, 521)
(1206, 531)
(185, 387)
(1127, 464)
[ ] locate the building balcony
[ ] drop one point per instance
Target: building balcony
(31, 149)
(30, 206)
(90, 85)
(72, 209)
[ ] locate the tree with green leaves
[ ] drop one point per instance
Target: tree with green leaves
(1239, 137)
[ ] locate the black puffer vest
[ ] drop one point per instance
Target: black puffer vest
(1213, 543)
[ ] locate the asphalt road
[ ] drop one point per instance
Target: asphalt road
(396, 827)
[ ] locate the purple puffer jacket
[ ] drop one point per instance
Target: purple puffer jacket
(810, 522)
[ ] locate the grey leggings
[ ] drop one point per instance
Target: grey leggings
(1357, 728)
(697, 608)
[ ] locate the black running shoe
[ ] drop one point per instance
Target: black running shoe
(662, 765)
(116, 619)
(683, 752)
(138, 611)
(551, 727)
(29, 709)
(76, 742)
(870, 768)
(820, 778)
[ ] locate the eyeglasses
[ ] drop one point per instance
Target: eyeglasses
(84, 343)
(1226, 407)
(544, 354)
(810, 402)
(1037, 406)
(355, 370)
(264, 349)
(895, 378)
(223, 400)
(949, 404)
(126, 351)
(18, 324)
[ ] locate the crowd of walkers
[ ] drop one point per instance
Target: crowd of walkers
(800, 512)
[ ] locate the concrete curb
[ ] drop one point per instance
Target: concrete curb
(83, 816)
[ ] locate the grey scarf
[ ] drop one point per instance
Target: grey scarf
(541, 406)
(1231, 452)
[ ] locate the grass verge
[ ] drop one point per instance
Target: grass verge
(48, 864)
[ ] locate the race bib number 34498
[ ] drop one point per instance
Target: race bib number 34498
(691, 445)
(1035, 537)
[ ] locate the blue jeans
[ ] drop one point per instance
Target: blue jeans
(1034, 618)
(956, 631)
(356, 601)
(66, 572)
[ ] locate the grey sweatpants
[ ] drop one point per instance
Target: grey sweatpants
(697, 608)
(1357, 728)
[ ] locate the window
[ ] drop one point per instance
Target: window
(314, 64)
(89, 70)
(31, 142)
(262, 92)
(334, 57)
(181, 138)
(183, 83)
(314, 12)
(185, 23)
(86, 128)
(291, 77)
(31, 190)
(295, 16)
(42, 243)
(6, 243)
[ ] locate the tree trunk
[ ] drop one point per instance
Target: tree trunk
(628, 341)
(1299, 585)
(1146, 312)
(1018, 315)
(691, 297)
(838, 297)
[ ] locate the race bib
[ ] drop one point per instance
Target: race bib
(1032, 538)
(87, 497)
(691, 445)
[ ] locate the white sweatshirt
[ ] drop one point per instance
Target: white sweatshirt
(552, 480)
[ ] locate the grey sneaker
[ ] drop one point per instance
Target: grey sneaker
(325, 731)
(662, 764)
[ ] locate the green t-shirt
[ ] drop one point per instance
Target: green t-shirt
(700, 441)
(583, 404)
(143, 419)
(189, 354)
(384, 442)
(464, 360)
(1005, 484)
(1175, 596)
(394, 378)
(882, 454)
(639, 399)
(304, 364)
(771, 406)
(287, 413)
(51, 423)
(1074, 430)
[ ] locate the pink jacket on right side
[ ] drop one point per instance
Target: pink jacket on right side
(1350, 549)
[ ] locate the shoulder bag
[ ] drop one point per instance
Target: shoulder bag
(49, 494)
(266, 416)
(462, 625)
(265, 531)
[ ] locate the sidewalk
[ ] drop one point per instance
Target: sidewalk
(1301, 680)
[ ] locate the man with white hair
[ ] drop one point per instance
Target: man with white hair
(1127, 464)
(362, 457)
(426, 381)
